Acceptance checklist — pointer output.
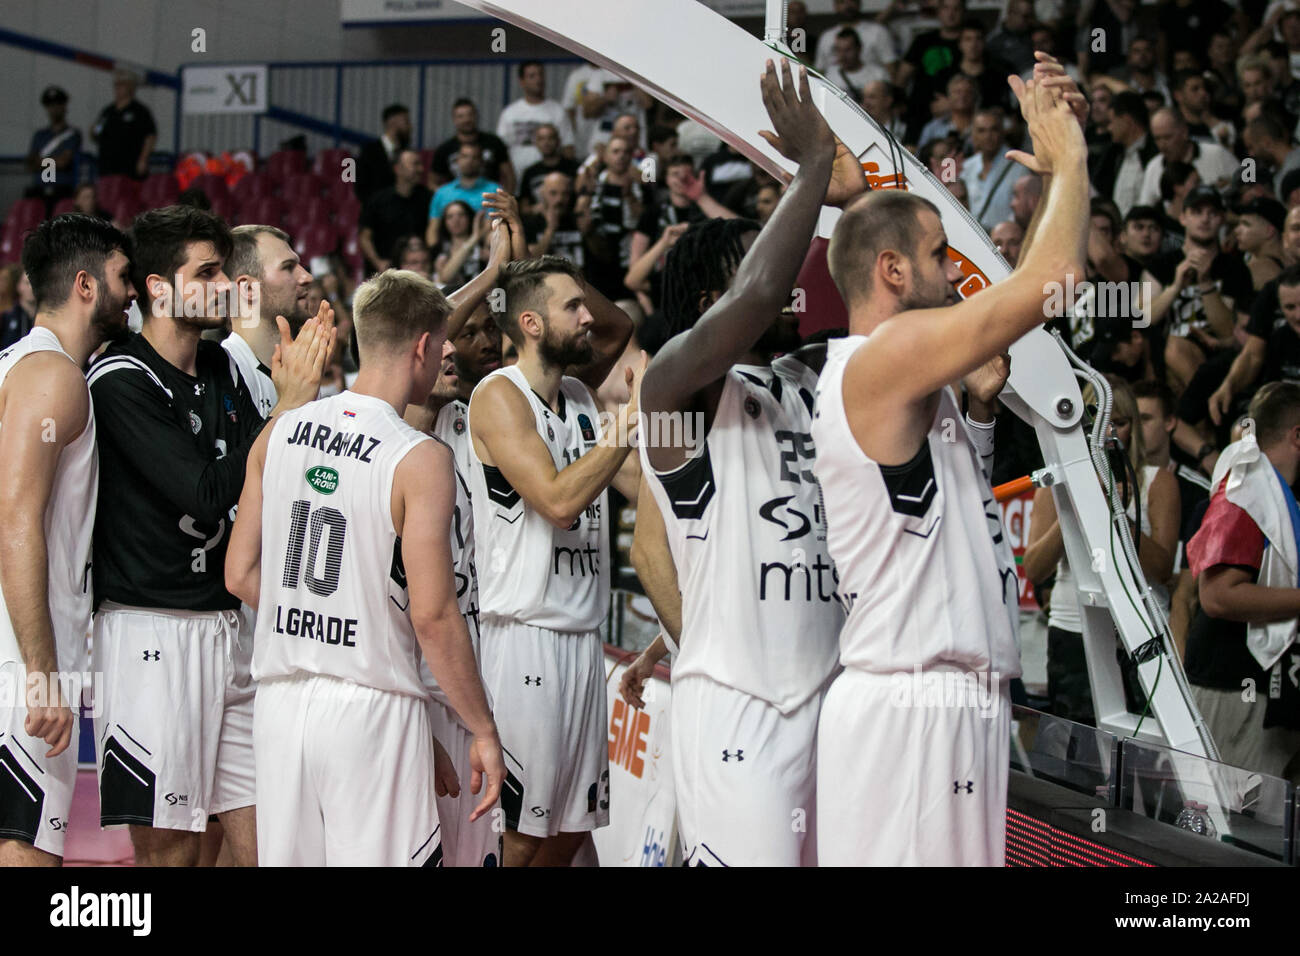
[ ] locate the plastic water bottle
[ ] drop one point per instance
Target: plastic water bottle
(1193, 817)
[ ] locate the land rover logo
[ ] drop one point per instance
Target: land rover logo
(324, 480)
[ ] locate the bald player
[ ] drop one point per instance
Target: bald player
(49, 471)
(905, 776)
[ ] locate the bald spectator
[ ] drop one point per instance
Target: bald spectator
(546, 140)
(1270, 143)
(1008, 236)
(880, 100)
(1026, 192)
(556, 229)
(124, 130)
(1215, 164)
(989, 175)
(494, 156)
(520, 120)
(875, 46)
(375, 163)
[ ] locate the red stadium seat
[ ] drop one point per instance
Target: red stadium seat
(213, 186)
(65, 205)
(264, 211)
(299, 188)
(224, 207)
(11, 245)
(285, 163)
(316, 239)
(304, 212)
(328, 164)
(111, 189)
(25, 214)
(158, 190)
(250, 187)
(124, 210)
(347, 214)
(426, 160)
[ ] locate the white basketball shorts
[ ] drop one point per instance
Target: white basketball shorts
(548, 693)
(345, 775)
(174, 731)
(912, 769)
(464, 843)
(35, 790)
(745, 777)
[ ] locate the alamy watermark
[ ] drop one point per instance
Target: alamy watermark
(1109, 300)
(947, 689)
(74, 688)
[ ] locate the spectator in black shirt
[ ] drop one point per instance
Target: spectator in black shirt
(375, 164)
(989, 74)
(930, 54)
(547, 140)
(125, 131)
(58, 142)
(1192, 100)
(1259, 235)
(496, 157)
(1115, 19)
(174, 428)
(17, 321)
(398, 210)
(1010, 42)
(557, 229)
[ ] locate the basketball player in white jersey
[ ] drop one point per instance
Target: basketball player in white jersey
(743, 517)
(540, 464)
(913, 741)
(269, 281)
(467, 839)
(345, 488)
(48, 488)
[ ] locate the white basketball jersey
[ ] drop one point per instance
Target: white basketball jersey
(69, 521)
(254, 374)
(530, 571)
(748, 535)
(924, 573)
(333, 597)
(451, 427)
(451, 422)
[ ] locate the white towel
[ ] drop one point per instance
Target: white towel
(1255, 488)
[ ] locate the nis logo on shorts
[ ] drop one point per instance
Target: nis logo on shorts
(325, 480)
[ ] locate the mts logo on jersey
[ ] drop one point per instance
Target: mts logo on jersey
(628, 731)
(577, 562)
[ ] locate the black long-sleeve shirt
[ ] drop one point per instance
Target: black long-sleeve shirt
(172, 451)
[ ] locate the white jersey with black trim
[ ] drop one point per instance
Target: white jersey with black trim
(748, 535)
(529, 570)
(255, 375)
(333, 595)
(451, 422)
(69, 522)
(926, 572)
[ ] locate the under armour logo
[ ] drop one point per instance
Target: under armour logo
(532, 680)
(156, 655)
(957, 786)
(727, 755)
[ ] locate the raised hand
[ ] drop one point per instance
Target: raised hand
(801, 131)
(1053, 127)
(848, 179)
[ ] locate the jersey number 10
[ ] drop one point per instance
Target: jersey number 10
(307, 526)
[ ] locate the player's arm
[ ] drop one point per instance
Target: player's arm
(46, 409)
(884, 375)
(657, 572)
(734, 323)
(423, 502)
(611, 330)
(244, 553)
(504, 432)
(469, 296)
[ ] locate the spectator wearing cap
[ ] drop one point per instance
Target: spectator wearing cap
(125, 131)
(1270, 143)
(58, 142)
(1117, 171)
(375, 164)
(519, 122)
(494, 155)
(1210, 286)
(1215, 164)
(1259, 236)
